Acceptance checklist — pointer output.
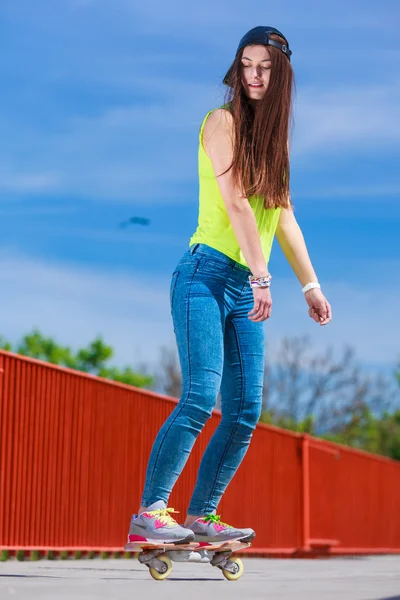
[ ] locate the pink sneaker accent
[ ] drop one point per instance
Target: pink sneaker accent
(219, 527)
(147, 515)
(158, 524)
(136, 538)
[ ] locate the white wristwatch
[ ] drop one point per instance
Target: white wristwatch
(310, 286)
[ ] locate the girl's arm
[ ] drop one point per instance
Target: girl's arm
(218, 143)
(292, 242)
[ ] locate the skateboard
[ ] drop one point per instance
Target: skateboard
(158, 557)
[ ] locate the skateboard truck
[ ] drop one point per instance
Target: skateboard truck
(159, 558)
(221, 560)
(145, 557)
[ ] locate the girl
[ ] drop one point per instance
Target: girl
(220, 290)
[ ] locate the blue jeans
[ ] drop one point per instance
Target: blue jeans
(220, 349)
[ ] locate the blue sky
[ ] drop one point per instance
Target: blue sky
(100, 109)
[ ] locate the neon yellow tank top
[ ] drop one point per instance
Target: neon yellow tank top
(214, 227)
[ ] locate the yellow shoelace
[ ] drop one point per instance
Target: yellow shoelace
(216, 519)
(164, 516)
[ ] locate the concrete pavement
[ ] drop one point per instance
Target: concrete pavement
(367, 578)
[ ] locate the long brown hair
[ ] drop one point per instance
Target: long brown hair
(260, 163)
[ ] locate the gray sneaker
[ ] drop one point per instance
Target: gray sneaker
(156, 525)
(210, 529)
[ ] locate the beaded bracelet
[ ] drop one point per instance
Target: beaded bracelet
(264, 281)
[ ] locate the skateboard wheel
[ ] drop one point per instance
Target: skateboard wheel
(237, 569)
(163, 571)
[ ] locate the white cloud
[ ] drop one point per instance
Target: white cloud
(79, 4)
(130, 235)
(142, 152)
(360, 119)
(131, 152)
(75, 304)
(363, 317)
(132, 313)
(233, 16)
(32, 183)
(353, 192)
(17, 209)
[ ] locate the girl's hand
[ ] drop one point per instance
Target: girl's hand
(262, 304)
(320, 309)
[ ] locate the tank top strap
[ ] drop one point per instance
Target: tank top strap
(203, 123)
(206, 117)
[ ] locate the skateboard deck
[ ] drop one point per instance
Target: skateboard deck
(139, 546)
(229, 545)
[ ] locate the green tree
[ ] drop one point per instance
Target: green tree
(319, 393)
(365, 431)
(306, 425)
(390, 435)
(332, 397)
(5, 345)
(92, 359)
(38, 346)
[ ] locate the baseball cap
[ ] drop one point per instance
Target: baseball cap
(260, 35)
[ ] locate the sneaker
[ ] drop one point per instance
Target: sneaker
(156, 525)
(210, 529)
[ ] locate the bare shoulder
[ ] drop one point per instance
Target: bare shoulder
(220, 120)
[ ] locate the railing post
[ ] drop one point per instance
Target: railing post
(305, 464)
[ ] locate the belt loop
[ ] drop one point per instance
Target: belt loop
(193, 248)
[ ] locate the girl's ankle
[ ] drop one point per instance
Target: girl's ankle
(190, 520)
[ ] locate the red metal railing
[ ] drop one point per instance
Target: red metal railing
(73, 454)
